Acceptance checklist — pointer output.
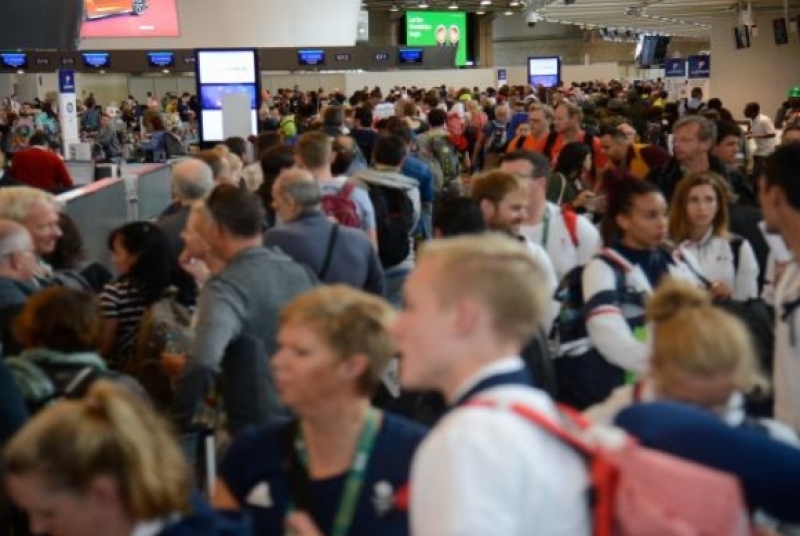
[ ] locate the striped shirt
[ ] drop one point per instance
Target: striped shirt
(122, 301)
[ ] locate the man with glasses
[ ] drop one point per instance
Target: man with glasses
(568, 239)
(18, 266)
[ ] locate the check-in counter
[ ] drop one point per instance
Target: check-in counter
(149, 189)
(97, 209)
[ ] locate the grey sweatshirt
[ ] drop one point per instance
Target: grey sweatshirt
(235, 335)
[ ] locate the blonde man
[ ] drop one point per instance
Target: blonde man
(472, 303)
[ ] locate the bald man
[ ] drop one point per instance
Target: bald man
(192, 180)
(337, 254)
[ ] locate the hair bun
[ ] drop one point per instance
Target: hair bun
(674, 296)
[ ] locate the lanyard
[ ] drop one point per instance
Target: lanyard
(546, 229)
(355, 477)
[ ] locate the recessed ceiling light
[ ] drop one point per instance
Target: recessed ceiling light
(453, 6)
(513, 3)
(423, 4)
(486, 2)
(480, 12)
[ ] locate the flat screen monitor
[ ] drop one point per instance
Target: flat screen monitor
(14, 60)
(439, 28)
(311, 58)
(408, 56)
(130, 18)
(780, 31)
(544, 71)
(227, 76)
(741, 37)
(96, 60)
(161, 60)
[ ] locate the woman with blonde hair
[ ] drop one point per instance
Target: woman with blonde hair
(342, 466)
(700, 355)
(106, 464)
(698, 221)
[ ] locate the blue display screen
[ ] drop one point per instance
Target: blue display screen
(311, 57)
(98, 60)
(14, 60)
(410, 55)
(161, 59)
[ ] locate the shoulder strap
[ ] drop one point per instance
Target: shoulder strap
(545, 423)
(736, 249)
(571, 222)
(299, 481)
(549, 144)
(692, 268)
(563, 179)
(326, 263)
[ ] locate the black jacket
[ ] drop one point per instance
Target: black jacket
(668, 176)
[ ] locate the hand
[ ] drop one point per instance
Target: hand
(583, 199)
(720, 291)
(780, 267)
(173, 364)
(198, 269)
(301, 524)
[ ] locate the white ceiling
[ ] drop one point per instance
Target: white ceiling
(690, 18)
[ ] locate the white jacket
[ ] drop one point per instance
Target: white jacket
(715, 258)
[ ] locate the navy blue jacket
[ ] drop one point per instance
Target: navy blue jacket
(769, 471)
(207, 522)
(353, 262)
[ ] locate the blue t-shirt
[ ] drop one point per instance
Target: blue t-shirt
(255, 472)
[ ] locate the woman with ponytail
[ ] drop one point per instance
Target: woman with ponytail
(614, 286)
(106, 465)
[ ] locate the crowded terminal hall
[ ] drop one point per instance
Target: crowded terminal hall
(394, 268)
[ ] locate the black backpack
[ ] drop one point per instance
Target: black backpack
(394, 220)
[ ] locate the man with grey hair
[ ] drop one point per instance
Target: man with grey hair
(18, 266)
(693, 137)
(337, 254)
(192, 180)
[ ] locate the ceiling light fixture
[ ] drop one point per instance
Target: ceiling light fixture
(513, 3)
(394, 8)
(486, 2)
(453, 6)
(480, 11)
(424, 4)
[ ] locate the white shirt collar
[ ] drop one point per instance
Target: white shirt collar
(149, 528)
(500, 366)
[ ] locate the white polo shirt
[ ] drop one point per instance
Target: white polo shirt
(552, 234)
(760, 126)
(786, 372)
(488, 471)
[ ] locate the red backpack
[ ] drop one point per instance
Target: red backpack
(341, 207)
(639, 491)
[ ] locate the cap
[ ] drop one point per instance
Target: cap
(794, 92)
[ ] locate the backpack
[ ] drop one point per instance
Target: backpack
(394, 219)
(165, 327)
(639, 491)
(341, 206)
(446, 158)
(585, 377)
(497, 139)
(46, 382)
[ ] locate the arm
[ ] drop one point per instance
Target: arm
(551, 281)
(218, 322)
(375, 282)
(607, 328)
(746, 278)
